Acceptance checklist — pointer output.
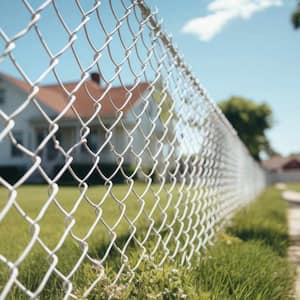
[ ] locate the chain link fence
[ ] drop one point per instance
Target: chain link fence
(112, 153)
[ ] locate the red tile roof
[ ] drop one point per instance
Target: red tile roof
(55, 97)
(278, 162)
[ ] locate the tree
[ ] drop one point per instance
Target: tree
(296, 17)
(251, 120)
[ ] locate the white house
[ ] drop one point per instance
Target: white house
(282, 169)
(115, 117)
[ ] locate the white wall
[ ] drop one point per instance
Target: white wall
(143, 130)
(284, 176)
(14, 98)
(106, 156)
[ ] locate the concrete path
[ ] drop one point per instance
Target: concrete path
(293, 199)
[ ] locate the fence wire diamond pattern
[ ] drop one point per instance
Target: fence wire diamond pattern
(132, 156)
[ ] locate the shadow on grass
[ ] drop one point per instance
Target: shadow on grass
(33, 270)
(275, 239)
(264, 221)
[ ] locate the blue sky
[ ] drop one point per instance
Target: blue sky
(235, 47)
(258, 58)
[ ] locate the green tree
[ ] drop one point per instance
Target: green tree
(296, 17)
(251, 120)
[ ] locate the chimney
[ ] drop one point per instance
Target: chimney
(96, 77)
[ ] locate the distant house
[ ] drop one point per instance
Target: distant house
(283, 169)
(110, 115)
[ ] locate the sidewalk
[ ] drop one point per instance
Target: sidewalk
(293, 199)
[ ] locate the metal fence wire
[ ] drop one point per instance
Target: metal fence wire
(112, 153)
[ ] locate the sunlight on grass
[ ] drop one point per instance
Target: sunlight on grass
(294, 187)
(97, 211)
(96, 201)
(247, 261)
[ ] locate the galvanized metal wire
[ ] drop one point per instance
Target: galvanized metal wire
(172, 144)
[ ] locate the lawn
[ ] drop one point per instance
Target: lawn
(85, 206)
(248, 260)
(104, 210)
(294, 187)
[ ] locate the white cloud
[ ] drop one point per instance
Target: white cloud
(222, 12)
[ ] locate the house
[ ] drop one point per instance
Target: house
(283, 169)
(95, 130)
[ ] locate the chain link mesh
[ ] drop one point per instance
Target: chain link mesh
(136, 159)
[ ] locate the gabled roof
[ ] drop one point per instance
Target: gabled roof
(56, 98)
(292, 164)
(278, 162)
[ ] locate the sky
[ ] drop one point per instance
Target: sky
(235, 47)
(246, 48)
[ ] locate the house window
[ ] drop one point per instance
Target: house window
(15, 152)
(92, 141)
(2, 96)
(49, 148)
(51, 152)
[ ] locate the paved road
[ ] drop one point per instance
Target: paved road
(293, 199)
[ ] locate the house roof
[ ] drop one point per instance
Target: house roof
(114, 100)
(279, 162)
(293, 164)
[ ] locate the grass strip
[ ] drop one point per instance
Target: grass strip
(247, 261)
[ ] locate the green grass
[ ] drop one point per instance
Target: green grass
(264, 221)
(138, 208)
(253, 265)
(248, 261)
(53, 223)
(294, 187)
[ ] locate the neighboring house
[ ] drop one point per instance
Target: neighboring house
(112, 128)
(283, 169)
